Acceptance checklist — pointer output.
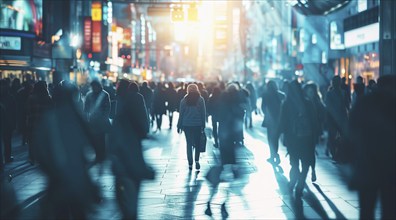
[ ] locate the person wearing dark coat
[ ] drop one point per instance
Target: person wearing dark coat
(39, 102)
(172, 101)
(9, 104)
(62, 136)
(130, 127)
(299, 126)
(214, 111)
(21, 99)
(372, 133)
(272, 100)
(147, 94)
(311, 92)
(158, 105)
(97, 109)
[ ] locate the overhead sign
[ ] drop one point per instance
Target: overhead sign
(96, 11)
(87, 34)
(363, 35)
(10, 43)
(96, 36)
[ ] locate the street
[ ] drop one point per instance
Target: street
(177, 193)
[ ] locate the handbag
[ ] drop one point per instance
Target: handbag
(202, 142)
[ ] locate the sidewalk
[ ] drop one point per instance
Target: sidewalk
(177, 193)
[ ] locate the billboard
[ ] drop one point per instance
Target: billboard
(22, 15)
(87, 34)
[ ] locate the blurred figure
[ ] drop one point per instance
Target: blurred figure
(298, 123)
(9, 124)
(230, 111)
(359, 89)
(272, 100)
(130, 127)
(347, 91)
(61, 138)
(97, 110)
(311, 92)
(253, 104)
(172, 100)
(147, 94)
(192, 121)
(372, 85)
(214, 111)
(15, 86)
(158, 105)
(21, 99)
(39, 102)
(336, 119)
(372, 132)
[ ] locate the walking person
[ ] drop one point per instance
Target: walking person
(147, 94)
(272, 99)
(230, 120)
(129, 128)
(311, 92)
(97, 110)
(172, 102)
(297, 123)
(39, 103)
(372, 134)
(192, 118)
(336, 119)
(9, 105)
(62, 136)
(158, 105)
(253, 104)
(214, 111)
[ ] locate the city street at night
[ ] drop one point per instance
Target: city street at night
(197, 109)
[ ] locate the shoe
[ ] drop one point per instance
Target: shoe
(224, 212)
(208, 210)
(197, 165)
(313, 177)
(271, 160)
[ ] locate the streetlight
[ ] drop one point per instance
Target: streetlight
(75, 42)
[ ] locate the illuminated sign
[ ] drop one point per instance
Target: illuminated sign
(96, 11)
(10, 43)
(96, 36)
(363, 35)
(87, 34)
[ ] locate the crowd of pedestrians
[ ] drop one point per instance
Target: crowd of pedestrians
(114, 120)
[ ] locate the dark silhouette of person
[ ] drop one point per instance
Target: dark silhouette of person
(347, 91)
(312, 93)
(130, 127)
(253, 104)
(336, 118)
(181, 92)
(372, 134)
(39, 102)
(299, 126)
(158, 105)
(229, 125)
(21, 99)
(62, 136)
(9, 105)
(359, 89)
(192, 119)
(97, 110)
(214, 111)
(372, 85)
(172, 101)
(272, 100)
(147, 94)
(15, 86)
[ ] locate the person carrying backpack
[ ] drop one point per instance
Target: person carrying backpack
(299, 127)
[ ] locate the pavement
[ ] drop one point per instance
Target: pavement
(176, 193)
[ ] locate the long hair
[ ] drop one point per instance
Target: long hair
(192, 94)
